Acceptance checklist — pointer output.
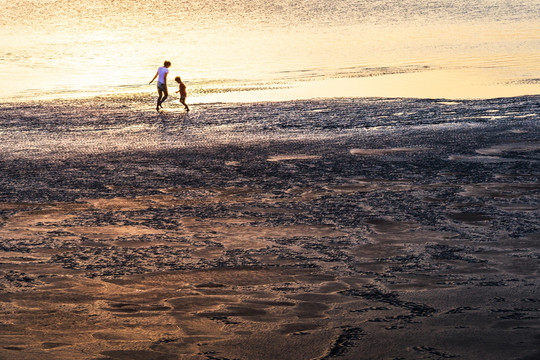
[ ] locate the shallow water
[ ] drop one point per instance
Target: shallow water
(65, 48)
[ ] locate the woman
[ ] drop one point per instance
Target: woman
(161, 74)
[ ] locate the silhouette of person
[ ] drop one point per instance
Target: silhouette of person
(161, 74)
(182, 91)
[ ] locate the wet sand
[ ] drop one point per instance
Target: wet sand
(345, 228)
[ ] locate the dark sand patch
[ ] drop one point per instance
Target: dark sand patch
(371, 152)
(511, 147)
(519, 207)
(479, 158)
(502, 190)
(469, 217)
(369, 185)
(385, 226)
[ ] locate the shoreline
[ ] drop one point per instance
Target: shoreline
(308, 229)
(418, 84)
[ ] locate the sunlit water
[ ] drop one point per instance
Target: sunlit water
(305, 48)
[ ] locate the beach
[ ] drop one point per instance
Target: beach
(355, 180)
(350, 228)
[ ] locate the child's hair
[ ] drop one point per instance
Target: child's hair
(167, 63)
(177, 79)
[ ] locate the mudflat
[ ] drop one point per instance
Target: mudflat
(342, 228)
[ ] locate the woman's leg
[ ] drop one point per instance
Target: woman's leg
(165, 94)
(160, 94)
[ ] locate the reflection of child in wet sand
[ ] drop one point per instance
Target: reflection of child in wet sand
(182, 91)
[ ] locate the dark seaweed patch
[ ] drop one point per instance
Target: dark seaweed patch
(374, 294)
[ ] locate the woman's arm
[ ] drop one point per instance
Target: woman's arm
(154, 78)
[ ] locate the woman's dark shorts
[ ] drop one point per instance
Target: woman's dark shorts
(161, 86)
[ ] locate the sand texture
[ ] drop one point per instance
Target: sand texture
(346, 229)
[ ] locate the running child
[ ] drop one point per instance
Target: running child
(182, 91)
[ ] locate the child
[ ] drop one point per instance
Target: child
(182, 91)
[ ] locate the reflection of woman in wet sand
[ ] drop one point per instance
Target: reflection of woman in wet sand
(161, 74)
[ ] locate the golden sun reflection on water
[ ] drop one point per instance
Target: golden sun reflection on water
(471, 49)
(435, 84)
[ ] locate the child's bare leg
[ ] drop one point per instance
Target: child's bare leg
(184, 103)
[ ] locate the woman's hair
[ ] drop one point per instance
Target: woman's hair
(177, 79)
(167, 63)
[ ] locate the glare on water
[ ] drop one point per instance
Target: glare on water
(63, 47)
